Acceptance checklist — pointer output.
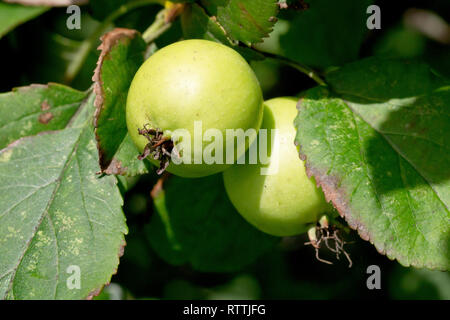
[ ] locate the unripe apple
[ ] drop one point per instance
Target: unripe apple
(285, 202)
(191, 81)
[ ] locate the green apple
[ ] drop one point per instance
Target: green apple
(189, 82)
(284, 201)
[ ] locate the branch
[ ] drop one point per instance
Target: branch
(300, 67)
(163, 21)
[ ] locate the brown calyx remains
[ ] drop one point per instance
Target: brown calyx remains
(159, 147)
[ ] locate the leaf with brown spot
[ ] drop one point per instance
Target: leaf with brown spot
(45, 106)
(378, 148)
(45, 118)
(122, 53)
(55, 212)
(26, 111)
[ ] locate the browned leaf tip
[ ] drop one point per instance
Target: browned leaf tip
(95, 292)
(115, 167)
(108, 41)
(121, 251)
(159, 186)
(50, 3)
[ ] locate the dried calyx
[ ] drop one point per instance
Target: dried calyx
(329, 235)
(158, 146)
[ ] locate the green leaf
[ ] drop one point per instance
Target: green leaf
(195, 223)
(329, 33)
(29, 110)
(122, 53)
(247, 21)
(12, 15)
(56, 213)
(378, 147)
(125, 161)
(196, 24)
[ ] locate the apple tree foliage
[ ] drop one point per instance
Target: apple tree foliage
(374, 133)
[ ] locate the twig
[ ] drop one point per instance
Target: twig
(300, 67)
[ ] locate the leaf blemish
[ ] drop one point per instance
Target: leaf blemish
(45, 106)
(45, 118)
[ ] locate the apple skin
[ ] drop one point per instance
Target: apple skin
(194, 80)
(285, 203)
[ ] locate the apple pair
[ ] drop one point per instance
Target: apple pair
(200, 80)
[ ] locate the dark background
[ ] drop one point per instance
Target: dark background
(38, 52)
